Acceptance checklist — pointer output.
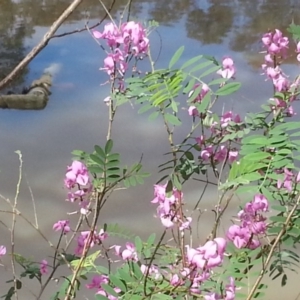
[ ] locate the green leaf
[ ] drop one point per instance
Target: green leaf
(176, 182)
(137, 271)
(96, 169)
(113, 157)
(100, 297)
(79, 153)
(278, 219)
(274, 229)
(108, 147)
(209, 71)
(189, 86)
(112, 164)
(228, 89)
(132, 181)
(118, 283)
(279, 208)
(108, 289)
(195, 94)
(125, 275)
(100, 151)
(138, 244)
(218, 81)
(145, 108)
(169, 187)
(176, 57)
(203, 105)
(257, 156)
(201, 66)
(153, 115)
(173, 120)
(284, 280)
(191, 61)
(174, 106)
(151, 239)
(97, 159)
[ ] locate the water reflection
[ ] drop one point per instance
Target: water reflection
(76, 118)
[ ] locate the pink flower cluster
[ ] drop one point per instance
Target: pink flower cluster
(288, 181)
(209, 255)
(83, 238)
(196, 277)
(167, 207)
(276, 45)
(201, 261)
(211, 148)
(128, 40)
(253, 224)
(276, 50)
(77, 181)
(97, 282)
(228, 295)
(129, 253)
(227, 71)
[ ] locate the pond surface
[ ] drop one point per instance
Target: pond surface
(76, 116)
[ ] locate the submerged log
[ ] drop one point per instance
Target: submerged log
(23, 101)
(36, 97)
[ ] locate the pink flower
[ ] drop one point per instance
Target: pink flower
(166, 209)
(206, 153)
(238, 235)
(228, 69)
(77, 173)
(229, 117)
(200, 140)
(220, 154)
(2, 250)
(209, 255)
(298, 177)
(212, 296)
(44, 267)
(281, 83)
(276, 43)
(298, 47)
(186, 225)
(267, 38)
(62, 225)
(128, 254)
(230, 290)
(233, 155)
(260, 203)
(153, 271)
(193, 111)
(109, 65)
(97, 280)
(204, 90)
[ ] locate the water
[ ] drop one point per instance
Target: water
(76, 117)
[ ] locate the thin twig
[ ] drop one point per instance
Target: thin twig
(18, 213)
(42, 44)
(13, 226)
(85, 27)
(33, 204)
